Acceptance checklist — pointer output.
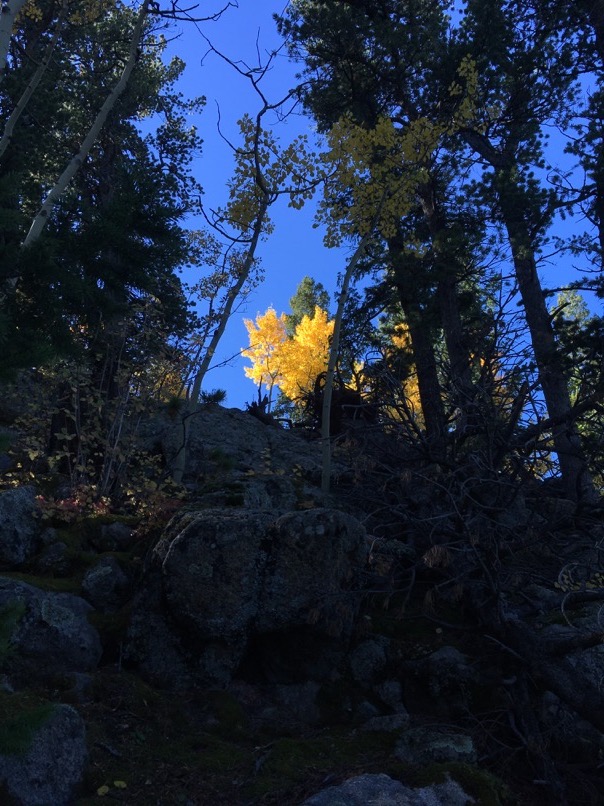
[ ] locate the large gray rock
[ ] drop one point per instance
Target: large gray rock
(274, 598)
(154, 644)
(213, 567)
(46, 632)
(18, 527)
(380, 790)
(50, 770)
(313, 572)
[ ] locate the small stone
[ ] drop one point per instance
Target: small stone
(105, 585)
(368, 660)
(424, 746)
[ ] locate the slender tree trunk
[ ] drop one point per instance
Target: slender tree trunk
(428, 383)
(448, 303)
(8, 13)
(422, 345)
(334, 348)
(459, 359)
(267, 196)
(77, 161)
(180, 460)
(33, 82)
(231, 298)
(552, 376)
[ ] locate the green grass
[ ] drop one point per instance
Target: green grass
(21, 716)
(10, 615)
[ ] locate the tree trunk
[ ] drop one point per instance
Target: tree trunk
(77, 161)
(180, 460)
(334, 348)
(428, 383)
(8, 13)
(33, 82)
(552, 376)
(448, 304)
(418, 322)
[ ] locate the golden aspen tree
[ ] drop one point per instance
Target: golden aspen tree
(267, 334)
(291, 363)
(305, 356)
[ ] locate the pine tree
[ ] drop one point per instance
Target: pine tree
(309, 295)
(514, 72)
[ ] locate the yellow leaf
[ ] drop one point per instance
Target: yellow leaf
(120, 784)
(102, 791)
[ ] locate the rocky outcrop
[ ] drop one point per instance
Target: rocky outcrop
(275, 599)
(234, 459)
(249, 604)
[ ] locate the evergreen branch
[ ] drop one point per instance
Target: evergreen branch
(33, 83)
(78, 160)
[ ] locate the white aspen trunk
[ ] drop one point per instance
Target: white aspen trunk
(8, 13)
(231, 297)
(179, 462)
(33, 83)
(267, 198)
(77, 161)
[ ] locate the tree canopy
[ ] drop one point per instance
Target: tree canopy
(436, 170)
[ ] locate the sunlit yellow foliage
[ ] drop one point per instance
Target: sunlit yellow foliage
(375, 172)
(88, 11)
(32, 11)
(467, 90)
(81, 12)
(401, 339)
(379, 168)
(292, 364)
(267, 334)
(305, 356)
